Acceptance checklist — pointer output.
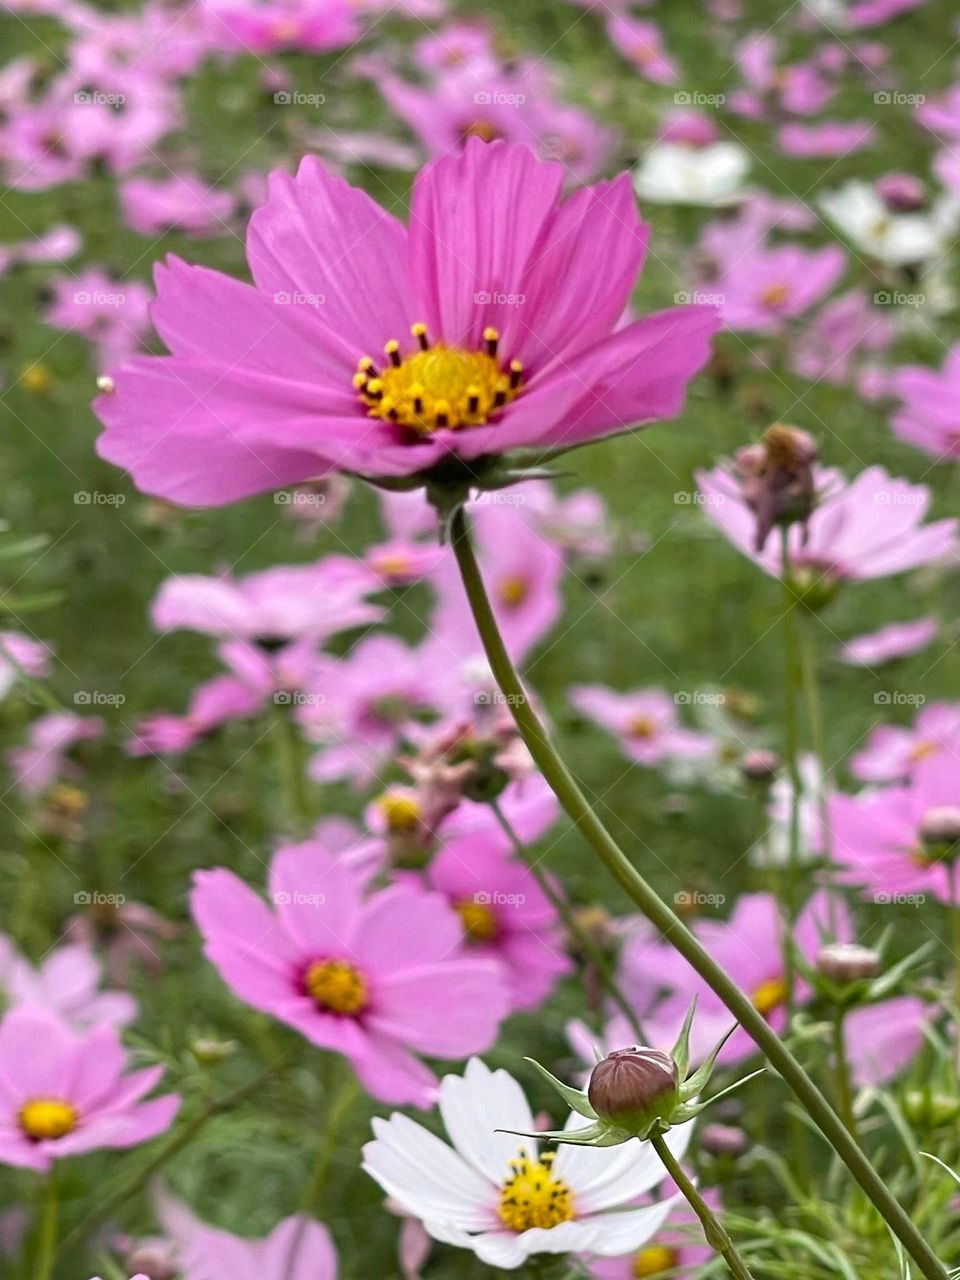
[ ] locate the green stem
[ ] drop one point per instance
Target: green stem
(47, 1237)
(580, 935)
(954, 912)
(291, 779)
(578, 808)
(818, 740)
(171, 1148)
(793, 678)
(842, 1068)
(716, 1233)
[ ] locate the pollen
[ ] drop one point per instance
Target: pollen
(775, 295)
(44, 1119)
(532, 1196)
(654, 1261)
(479, 922)
(336, 986)
(642, 726)
(770, 995)
(435, 386)
(401, 811)
(513, 590)
(923, 751)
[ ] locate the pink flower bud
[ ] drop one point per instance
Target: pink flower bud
(847, 962)
(634, 1087)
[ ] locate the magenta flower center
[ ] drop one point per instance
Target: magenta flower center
(336, 987)
(438, 387)
(46, 1118)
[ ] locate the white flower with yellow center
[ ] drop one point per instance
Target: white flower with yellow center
(504, 1197)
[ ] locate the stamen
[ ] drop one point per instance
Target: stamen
(419, 331)
(491, 337)
(393, 352)
(516, 373)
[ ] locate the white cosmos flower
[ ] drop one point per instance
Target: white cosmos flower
(481, 1194)
(898, 239)
(672, 173)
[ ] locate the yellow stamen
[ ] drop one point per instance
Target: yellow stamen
(402, 812)
(481, 129)
(479, 922)
(438, 387)
(513, 590)
(336, 986)
(775, 295)
(44, 1119)
(923, 751)
(533, 1197)
(36, 378)
(770, 995)
(642, 726)
(654, 1261)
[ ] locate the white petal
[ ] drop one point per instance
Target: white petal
(425, 1176)
(474, 1107)
(500, 1249)
(602, 1177)
(617, 1233)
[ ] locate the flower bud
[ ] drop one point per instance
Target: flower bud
(723, 1140)
(632, 1088)
(777, 479)
(925, 1109)
(759, 766)
(940, 831)
(847, 962)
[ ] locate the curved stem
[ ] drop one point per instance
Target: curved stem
(716, 1233)
(842, 1068)
(560, 779)
(291, 779)
(580, 935)
(791, 754)
(47, 1238)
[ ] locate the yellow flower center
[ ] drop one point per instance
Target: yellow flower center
(532, 1196)
(479, 922)
(770, 995)
(46, 1118)
(36, 378)
(654, 1261)
(336, 986)
(481, 129)
(437, 387)
(642, 726)
(923, 751)
(775, 295)
(402, 812)
(513, 590)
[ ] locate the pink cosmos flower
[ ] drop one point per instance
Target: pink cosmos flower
(67, 982)
(63, 1094)
(873, 13)
(828, 138)
(930, 413)
(885, 838)
(44, 758)
(645, 722)
(893, 752)
(112, 314)
(799, 89)
(641, 43)
(269, 26)
(278, 383)
(273, 605)
(748, 946)
(942, 115)
(761, 288)
(677, 1248)
(838, 342)
(523, 571)
(379, 977)
(884, 1038)
(868, 527)
(299, 1248)
(506, 915)
(21, 653)
(213, 703)
(182, 202)
(368, 703)
(897, 640)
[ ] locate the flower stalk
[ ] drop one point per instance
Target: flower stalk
(578, 808)
(716, 1234)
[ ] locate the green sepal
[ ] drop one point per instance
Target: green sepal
(681, 1050)
(594, 1135)
(694, 1084)
(575, 1099)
